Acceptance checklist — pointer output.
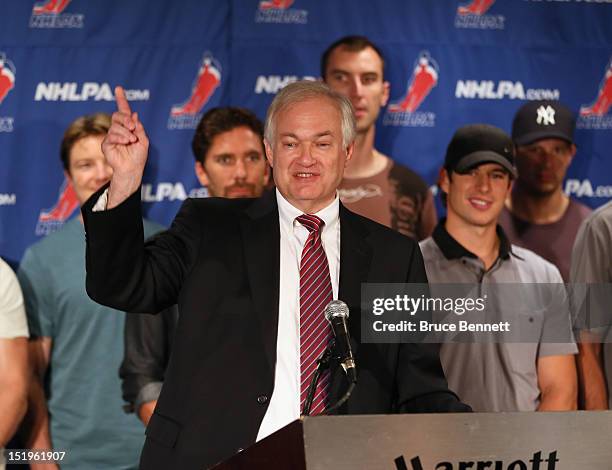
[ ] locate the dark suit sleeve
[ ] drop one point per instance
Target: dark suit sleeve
(422, 387)
(148, 340)
(125, 273)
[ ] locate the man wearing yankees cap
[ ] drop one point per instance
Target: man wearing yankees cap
(538, 214)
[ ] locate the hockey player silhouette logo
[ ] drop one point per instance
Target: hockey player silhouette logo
(7, 76)
(602, 103)
(66, 204)
(207, 81)
(475, 7)
(275, 4)
(50, 7)
(424, 78)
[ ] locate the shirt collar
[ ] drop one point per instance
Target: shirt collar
(452, 249)
(287, 212)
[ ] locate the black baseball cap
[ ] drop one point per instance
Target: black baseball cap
(543, 119)
(476, 144)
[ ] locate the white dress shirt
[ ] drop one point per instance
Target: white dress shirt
(284, 404)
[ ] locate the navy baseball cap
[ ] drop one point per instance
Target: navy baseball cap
(476, 144)
(545, 119)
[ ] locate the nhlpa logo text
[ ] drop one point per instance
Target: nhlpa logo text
(595, 115)
(403, 112)
(88, 91)
(472, 15)
(187, 114)
(536, 462)
(272, 84)
(49, 14)
(278, 11)
(7, 83)
(503, 89)
(50, 220)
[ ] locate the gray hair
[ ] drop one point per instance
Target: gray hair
(304, 90)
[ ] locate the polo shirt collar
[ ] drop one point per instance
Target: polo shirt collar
(452, 249)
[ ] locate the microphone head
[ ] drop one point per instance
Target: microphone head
(336, 308)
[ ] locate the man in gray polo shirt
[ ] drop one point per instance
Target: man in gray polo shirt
(470, 247)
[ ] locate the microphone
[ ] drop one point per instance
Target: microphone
(337, 313)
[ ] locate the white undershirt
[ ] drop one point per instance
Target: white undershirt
(284, 404)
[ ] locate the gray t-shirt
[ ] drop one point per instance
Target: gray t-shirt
(493, 376)
(554, 241)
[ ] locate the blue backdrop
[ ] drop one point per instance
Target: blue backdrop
(60, 59)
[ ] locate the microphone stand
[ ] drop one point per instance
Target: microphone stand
(322, 364)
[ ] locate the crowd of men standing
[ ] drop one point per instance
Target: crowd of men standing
(507, 221)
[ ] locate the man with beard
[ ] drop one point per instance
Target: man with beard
(230, 162)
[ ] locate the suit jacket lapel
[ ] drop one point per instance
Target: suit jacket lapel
(261, 241)
(355, 258)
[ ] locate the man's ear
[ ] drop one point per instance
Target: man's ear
(201, 173)
(443, 180)
(572, 150)
(349, 152)
(268, 149)
(386, 93)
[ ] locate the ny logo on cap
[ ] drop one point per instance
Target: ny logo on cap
(546, 115)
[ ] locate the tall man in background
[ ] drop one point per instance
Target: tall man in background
(373, 184)
(230, 162)
(246, 274)
(539, 216)
(77, 345)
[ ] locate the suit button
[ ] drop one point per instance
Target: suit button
(262, 399)
(239, 449)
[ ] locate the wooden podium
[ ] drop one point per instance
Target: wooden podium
(578, 440)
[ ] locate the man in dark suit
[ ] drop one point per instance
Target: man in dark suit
(239, 271)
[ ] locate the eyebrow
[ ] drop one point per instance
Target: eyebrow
(320, 134)
(346, 72)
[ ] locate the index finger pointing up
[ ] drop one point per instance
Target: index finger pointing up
(122, 103)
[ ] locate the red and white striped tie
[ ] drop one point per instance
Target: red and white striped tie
(315, 294)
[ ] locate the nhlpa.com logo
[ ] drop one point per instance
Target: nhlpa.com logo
(7, 83)
(50, 14)
(87, 91)
(272, 84)
(595, 115)
(169, 191)
(501, 90)
(187, 114)
(473, 15)
(50, 220)
(404, 112)
(278, 11)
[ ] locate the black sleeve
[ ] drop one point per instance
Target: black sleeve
(125, 273)
(148, 340)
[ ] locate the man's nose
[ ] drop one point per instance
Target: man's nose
(483, 182)
(356, 88)
(104, 171)
(240, 169)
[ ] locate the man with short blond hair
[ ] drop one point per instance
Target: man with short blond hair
(77, 345)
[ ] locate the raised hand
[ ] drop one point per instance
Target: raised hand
(125, 147)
